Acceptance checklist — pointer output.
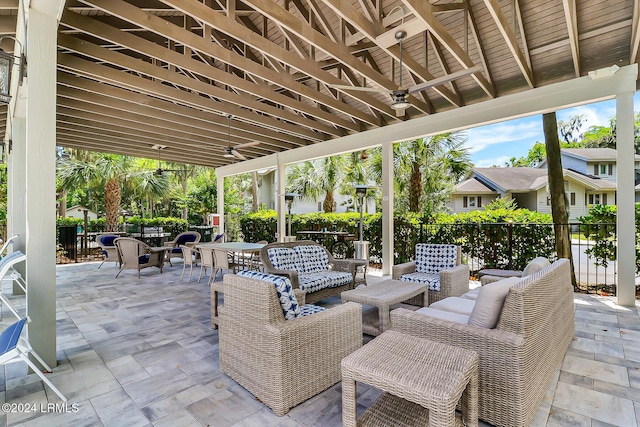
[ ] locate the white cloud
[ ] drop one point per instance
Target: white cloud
(594, 114)
(487, 163)
(507, 132)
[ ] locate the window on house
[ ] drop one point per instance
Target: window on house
(472, 202)
(465, 201)
(603, 169)
(590, 199)
(596, 199)
(595, 169)
(572, 199)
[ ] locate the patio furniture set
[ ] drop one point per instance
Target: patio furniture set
(491, 351)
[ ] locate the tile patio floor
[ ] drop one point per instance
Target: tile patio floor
(140, 352)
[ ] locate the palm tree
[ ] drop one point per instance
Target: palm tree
(426, 170)
(317, 178)
(111, 172)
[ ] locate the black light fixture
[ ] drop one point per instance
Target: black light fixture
(288, 198)
(6, 67)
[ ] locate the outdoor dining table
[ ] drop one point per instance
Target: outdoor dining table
(241, 248)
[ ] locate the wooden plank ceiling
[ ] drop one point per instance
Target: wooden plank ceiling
(136, 73)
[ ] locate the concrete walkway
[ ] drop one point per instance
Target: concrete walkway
(140, 352)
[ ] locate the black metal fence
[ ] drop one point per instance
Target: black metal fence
(513, 245)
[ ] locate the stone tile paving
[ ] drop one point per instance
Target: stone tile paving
(140, 352)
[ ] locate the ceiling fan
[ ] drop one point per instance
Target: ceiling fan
(232, 152)
(400, 95)
(159, 171)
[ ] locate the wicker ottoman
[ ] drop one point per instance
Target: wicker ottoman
(423, 381)
(383, 296)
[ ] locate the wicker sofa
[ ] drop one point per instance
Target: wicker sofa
(310, 267)
(519, 357)
(282, 362)
(440, 267)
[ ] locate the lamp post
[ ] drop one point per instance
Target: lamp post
(288, 198)
(6, 67)
(361, 246)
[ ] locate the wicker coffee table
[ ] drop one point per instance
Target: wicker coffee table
(382, 296)
(423, 381)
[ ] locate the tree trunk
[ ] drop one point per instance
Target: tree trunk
(254, 191)
(327, 205)
(62, 206)
(415, 188)
(555, 178)
(112, 196)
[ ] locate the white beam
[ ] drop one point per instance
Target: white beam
(40, 183)
(533, 101)
(220, 201)
(626, 257)
(280, 202)
(387, 208)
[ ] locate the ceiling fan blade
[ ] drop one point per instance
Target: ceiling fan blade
(247, 144)
(361, 89)
(237, 155)
(444, 79)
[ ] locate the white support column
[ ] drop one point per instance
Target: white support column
(220, 200)
(626, 289)
(280, 203)
(387, 208)
(40, 235)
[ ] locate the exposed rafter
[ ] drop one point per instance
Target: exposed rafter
(571, 18)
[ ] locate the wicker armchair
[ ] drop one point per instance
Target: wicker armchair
(188, 238)
(298, 277)
(136, 255)
(108, 248)
(282, 362)
(453, 281)
(517, 359)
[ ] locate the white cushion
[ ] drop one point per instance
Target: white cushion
(489, 303)
(444, 315)
(472, 294)
(535, 265)
(454, 305)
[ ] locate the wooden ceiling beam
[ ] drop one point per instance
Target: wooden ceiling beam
(571, 18)
(424, 11)
(635, 32)
(216, 20)
(278, 14)
(139, 84)
(145, 115)
(156, 51)
(475, 33)
(162, 74)
(157, 25)
(322, 19)
(372, 30)
(509, 36)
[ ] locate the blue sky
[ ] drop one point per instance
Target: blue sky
(497, 143)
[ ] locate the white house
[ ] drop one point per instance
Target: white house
(77, 211)
(589, 179)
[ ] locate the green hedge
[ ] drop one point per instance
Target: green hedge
(532, 232)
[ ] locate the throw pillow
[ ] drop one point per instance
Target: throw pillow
(434, 258)
(283, 258)
(489, 303)
(313, 259)
(535, 265)
(288, 302)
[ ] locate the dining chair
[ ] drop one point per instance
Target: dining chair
(191, 256)
(14, 348)
(222, 262)
(206, 261)
(255, 263)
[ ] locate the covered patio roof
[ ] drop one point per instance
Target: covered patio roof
(136, 73)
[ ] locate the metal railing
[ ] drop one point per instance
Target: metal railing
(512, 245)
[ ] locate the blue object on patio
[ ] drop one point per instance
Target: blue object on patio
(14, 349)
(108, 247)
(188, 238)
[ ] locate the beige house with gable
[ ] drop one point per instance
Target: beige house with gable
(589, 179)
